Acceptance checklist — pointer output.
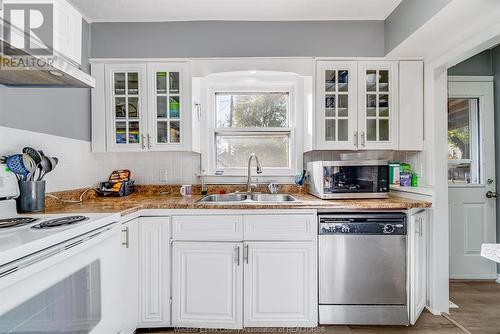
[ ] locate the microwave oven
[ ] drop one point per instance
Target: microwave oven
(348, 179)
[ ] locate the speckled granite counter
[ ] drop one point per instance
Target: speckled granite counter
(139, 201)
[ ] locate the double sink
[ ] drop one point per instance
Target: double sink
(247, 198)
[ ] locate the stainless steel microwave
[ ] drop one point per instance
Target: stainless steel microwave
(348, 179)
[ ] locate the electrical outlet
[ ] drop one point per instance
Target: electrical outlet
(163, 175)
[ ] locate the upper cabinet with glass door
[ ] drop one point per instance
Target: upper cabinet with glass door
(146, 107)
(377, 108)
(336, 105)
(169, 116)
(126, 107)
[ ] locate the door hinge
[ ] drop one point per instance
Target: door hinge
(170, 300)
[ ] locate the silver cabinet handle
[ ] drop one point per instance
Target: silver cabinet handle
(149, 141)
(197, 107)
(245, 254)
(421, 220)
(355, 138)
(238, 255)
(126, 242)
(363, 141)
(143, 142)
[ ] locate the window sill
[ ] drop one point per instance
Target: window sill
(242, 179)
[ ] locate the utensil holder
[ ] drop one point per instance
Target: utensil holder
(31, 196)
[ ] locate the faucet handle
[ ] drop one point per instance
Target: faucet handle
(273, 188)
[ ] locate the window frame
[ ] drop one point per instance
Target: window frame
(261, 87)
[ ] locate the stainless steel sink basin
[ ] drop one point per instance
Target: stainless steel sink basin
(247, 198)
(224, 198)
(273, 198)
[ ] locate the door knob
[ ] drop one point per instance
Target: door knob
(491, 194)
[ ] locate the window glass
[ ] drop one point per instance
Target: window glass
(463, 141)
(251, 110)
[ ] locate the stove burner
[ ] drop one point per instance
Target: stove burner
(15, 222)
(56, 222)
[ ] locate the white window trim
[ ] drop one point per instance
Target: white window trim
(236, 175)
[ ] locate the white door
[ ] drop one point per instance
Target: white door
(418, 264)
(154, 258)
(130, 264)
(378, 105)
(207, 284)
(280, 284)
(336, 120)
(471, 176)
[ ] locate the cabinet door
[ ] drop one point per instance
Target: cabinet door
(336, 116)
(126, 107)
(154, 283)
(168, 106)
(130, 275)
(418, 265)
(207, 285)
(280, 284)
(378, 101)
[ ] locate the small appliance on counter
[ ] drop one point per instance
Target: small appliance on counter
(119, 184)
(348, 179)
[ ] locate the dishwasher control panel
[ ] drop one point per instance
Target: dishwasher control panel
(368, 224)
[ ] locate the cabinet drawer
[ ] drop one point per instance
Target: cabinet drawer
(207, 228)
(279, 227)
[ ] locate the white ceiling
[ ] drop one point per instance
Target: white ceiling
(233, 10)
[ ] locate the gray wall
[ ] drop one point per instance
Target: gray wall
(408, 17)
(495, 57)
(58, 111)
(480, 64)
(234, 39)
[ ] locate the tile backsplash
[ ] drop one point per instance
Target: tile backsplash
(80, 168)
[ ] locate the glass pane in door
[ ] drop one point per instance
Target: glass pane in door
(133, 83)
(119, 83)
(463, 141)
(175, 132)
(343, 101)
(121, 132)
(330, 106)
(383, 130)
(330, 130)
(161, 82)
(161, 107)
(133, 132)
(383, 105)
(383, 80)
(173, 107)
(371, 80)
(162, 132)
(371, 105)
(133, 107)
(343, 129)
(120, 108)
(330, 81)
(371, 129)
(174, 87)
(343, 80)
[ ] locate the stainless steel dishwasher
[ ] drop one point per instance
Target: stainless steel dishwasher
(362, 268)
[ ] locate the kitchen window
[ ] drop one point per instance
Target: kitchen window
(253, 121)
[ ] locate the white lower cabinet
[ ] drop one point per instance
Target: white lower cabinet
(236, 283)
(130, 275)
(280, 284)
(207, 284)
(154, 282)
(417, 235)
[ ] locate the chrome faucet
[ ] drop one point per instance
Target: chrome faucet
(259, 171)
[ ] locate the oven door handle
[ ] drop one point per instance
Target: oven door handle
(31, 259)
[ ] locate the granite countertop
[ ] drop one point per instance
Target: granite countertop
(139, 201)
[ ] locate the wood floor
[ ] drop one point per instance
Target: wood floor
(479, 313)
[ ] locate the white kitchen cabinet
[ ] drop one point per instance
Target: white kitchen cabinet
(378, 105)
(130, 276)
(411, 105)
(154, 265)
(336, 111)
(418, 264)
(68, 31)
(357, 105)
(280, 284)
(141, 107)
(207, 284)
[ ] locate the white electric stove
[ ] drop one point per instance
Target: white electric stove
(58, 272)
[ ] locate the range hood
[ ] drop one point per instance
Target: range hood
(58, 71)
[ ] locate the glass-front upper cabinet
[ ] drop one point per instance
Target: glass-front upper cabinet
(377, 109)
(168, 112)
(336, 118)
(126, 104)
